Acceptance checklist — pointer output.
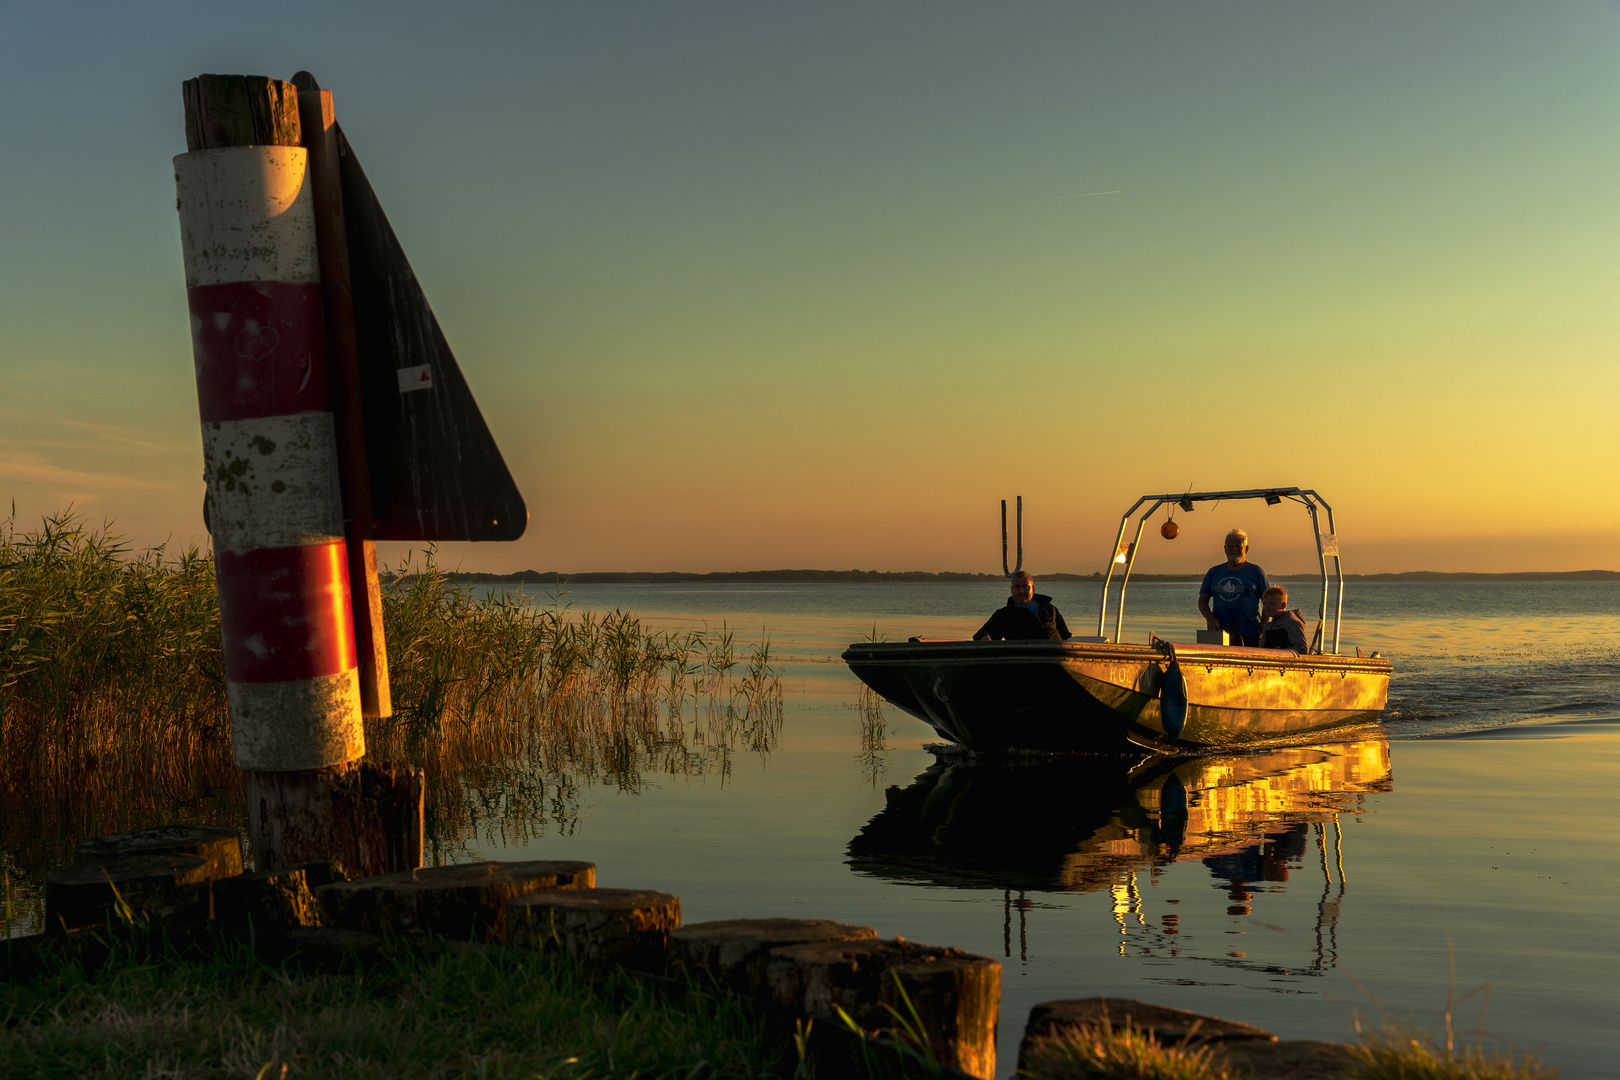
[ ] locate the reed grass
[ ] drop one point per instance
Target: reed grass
(113, 711)
(513, 708)
(1106, 1052)
(112, 691)
(872, 731)
(1400, 1050)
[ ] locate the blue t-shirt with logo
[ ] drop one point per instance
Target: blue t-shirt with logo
(1235, 596)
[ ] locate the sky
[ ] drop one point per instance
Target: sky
(749, 286)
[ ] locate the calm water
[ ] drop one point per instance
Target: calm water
(1282, 889)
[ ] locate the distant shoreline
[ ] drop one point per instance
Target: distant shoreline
(775, 577)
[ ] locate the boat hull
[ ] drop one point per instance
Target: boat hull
(1099, 697)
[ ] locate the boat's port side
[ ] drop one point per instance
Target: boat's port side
(1100, 697)
(992, 695)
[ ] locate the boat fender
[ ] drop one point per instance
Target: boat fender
(1173, 701)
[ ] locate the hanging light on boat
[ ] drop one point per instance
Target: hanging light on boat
(1170, 530)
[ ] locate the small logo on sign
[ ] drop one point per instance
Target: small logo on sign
(414, 378)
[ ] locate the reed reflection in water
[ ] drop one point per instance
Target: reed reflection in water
(1087, 823)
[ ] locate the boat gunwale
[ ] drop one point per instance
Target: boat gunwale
(992, 652)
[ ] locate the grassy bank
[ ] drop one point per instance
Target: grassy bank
(113, 712)
(430, 1013)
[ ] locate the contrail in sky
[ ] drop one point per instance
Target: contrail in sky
(1089, 194)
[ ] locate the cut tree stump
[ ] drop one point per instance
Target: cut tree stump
(602, 926)
(168, 887)
(733, 953)
(273, 899)
(465, 902)
(956, 995)
(365, 815)
(219, 847)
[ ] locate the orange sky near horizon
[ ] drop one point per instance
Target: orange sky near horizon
(742, 288)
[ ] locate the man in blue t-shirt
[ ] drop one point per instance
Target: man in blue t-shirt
(1234, 589)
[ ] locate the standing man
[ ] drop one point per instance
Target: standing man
(1234, 588)
(1028, 616)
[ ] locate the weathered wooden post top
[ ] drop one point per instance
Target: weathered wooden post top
(333, 415)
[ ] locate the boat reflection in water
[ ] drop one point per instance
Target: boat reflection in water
(1093, 823)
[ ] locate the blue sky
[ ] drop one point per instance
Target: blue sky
(746, 285)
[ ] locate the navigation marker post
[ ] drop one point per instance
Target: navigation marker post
(271, 458)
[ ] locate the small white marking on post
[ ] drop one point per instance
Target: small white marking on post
(414, 378)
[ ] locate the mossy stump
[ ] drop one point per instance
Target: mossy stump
(734, 953)
(219, 847)
(956, 995)
(598, 926)
(169, 887)
(461, 903)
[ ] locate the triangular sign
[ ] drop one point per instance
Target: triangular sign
(436, 473)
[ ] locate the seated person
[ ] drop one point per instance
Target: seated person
(1230, 596)
(1279, 627)
(1028, 616)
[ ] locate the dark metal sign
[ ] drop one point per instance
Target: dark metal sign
(436, 473)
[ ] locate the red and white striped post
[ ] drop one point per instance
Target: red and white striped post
(270, 456)
(247, 226)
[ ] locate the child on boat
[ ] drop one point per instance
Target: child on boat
(1279, 627)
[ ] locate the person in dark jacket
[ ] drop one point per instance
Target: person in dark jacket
(1028, 616)
(1279, 627)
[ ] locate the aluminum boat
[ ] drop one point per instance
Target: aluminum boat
(1098, 694)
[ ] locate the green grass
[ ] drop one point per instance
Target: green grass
(483, 1013)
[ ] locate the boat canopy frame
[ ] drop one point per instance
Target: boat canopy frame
(1326, 547)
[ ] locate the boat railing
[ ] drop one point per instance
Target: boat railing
(1124, 552)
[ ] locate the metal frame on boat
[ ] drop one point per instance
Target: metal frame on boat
(1100, 694)
(1126, 553)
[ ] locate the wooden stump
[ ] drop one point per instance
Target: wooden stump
(273, 899)
(603, 926)
(956, 995)
(169, 887)
(456, 902)
(365, 815)
(734, 953)
(219, 847)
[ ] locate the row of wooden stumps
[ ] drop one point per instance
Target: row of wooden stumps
(191, 877)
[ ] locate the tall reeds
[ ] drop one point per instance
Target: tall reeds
(512, 707)
(113, 711)
(112, 689)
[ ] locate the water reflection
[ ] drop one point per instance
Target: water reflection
(1093, 824)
